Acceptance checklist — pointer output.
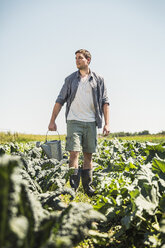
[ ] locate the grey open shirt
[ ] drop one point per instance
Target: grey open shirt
(99, 92)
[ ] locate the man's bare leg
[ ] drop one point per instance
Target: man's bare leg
(73, 161)
(87, 161)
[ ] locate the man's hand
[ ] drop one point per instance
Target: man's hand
(52, 126)
(106, 130)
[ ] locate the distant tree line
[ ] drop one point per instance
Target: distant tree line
(124, 134)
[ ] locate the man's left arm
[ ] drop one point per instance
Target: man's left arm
(106, 128)
(105, 104)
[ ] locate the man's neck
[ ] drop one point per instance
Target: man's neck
(84, 72)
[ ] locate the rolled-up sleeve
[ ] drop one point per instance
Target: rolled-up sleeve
(105, 99)
(62, 97)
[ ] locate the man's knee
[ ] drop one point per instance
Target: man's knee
(87, 161)
(87, 156)
(73, 161)
(74, 154)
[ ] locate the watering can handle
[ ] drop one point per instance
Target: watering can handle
(47, 134)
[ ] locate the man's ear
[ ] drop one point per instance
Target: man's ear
(89, 60)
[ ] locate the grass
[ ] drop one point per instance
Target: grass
(150, 138)
(155, 138)
(80, 196)
(20, 137)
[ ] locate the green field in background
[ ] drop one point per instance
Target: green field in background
(143, 138)
(20, 137)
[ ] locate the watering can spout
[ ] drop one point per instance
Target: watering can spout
(46, 149)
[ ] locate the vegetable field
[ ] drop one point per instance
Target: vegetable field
(38, 209)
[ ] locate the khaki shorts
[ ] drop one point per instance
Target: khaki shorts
(81, 134)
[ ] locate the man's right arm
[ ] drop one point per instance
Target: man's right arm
(52, 125)
(61, 99)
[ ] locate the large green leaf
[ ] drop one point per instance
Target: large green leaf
(158, 165)
(162, 203)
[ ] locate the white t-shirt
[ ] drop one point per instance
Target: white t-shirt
(82, 107)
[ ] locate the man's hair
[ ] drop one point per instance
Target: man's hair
(86, 53)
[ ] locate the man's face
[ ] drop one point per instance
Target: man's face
(81, 61)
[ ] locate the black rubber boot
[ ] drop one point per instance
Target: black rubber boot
(86, 176)
(75, 179)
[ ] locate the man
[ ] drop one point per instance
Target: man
(86, 101)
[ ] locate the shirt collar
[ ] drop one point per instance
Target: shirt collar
(90, 74)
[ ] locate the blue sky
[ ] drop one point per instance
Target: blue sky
(38, 40)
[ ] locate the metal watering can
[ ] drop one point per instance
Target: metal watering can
(52, 148)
